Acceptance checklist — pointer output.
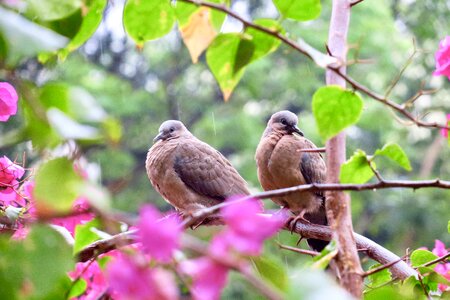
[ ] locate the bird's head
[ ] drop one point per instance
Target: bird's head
(171, 129)
(284, 121)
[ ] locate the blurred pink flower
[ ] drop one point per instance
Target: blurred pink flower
(8, 101)
(80, 208)
(208, 277)
(130, 279)
(159, 235)
(247, 227)
(442, 268)
(444, 131)
(96, 284)
(443, 58)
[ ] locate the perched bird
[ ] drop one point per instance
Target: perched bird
(189, 173)
(282, 163)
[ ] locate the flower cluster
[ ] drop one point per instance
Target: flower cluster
(143, 276)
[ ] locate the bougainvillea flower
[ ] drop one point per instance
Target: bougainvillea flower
(130, 279)
(247, 227)
(96, 284)
(443, 58)
(9, 171)
(159, 235)
(443, 267)
(8, 101)
(80, 206)
(208, 277)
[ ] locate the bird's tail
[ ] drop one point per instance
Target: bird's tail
(318, 217)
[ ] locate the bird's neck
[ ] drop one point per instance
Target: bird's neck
(273, 134)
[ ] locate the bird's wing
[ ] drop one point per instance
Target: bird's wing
(312, 165)
(207, 172)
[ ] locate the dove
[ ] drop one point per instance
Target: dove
(282, 163)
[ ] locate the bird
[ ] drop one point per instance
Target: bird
(190, 174)
(281, 163)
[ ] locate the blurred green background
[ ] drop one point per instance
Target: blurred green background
(108, 82)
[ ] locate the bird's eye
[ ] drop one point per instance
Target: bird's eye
(172, 129)
(283, 121)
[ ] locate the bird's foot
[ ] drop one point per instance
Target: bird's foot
(295, 219)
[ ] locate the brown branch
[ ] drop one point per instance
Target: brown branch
(314, 150)
(307, 50)
(375, 251)
(355, 2)
(385, 266)
(439, 259)
(298, 250)
(385, 184)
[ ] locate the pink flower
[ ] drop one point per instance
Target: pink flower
(247, 227)
(132, 279)
(96, 284)
(9, 171)
(159, 236)
(209, 277)
(442, 268)
(8, 101)
(439, 248)
(80, 207)
(443, 58)
(444, 131)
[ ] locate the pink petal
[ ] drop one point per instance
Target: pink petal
(8, 101)
(159, 236)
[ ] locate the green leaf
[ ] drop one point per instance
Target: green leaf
(264, 43)
(40, 263)
(272, 271)
(84, 235)
(18, 31)
(301, 10)
(396, 154)
(48, 10)
(57, 185)
(420, 257)
(356, 169)
(244, 54)
(448, 226)
(222, 56)
(379, 277)
(148, 20)
(89, 25)
(322, 260)
(335, 109)
(78, 288)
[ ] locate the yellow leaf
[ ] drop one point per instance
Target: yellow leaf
(198, 33)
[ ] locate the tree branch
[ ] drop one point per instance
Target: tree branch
(385, 266)
(375, 251)
(318, 58)
(298, 250)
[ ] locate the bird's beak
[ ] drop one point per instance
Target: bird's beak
(158, 137)
(297, 130)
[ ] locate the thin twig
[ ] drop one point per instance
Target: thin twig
(355, 2)
(314, 150)
(385, 266)
(419, 277)
(402, 70)
(298, 250)
(439, 259)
